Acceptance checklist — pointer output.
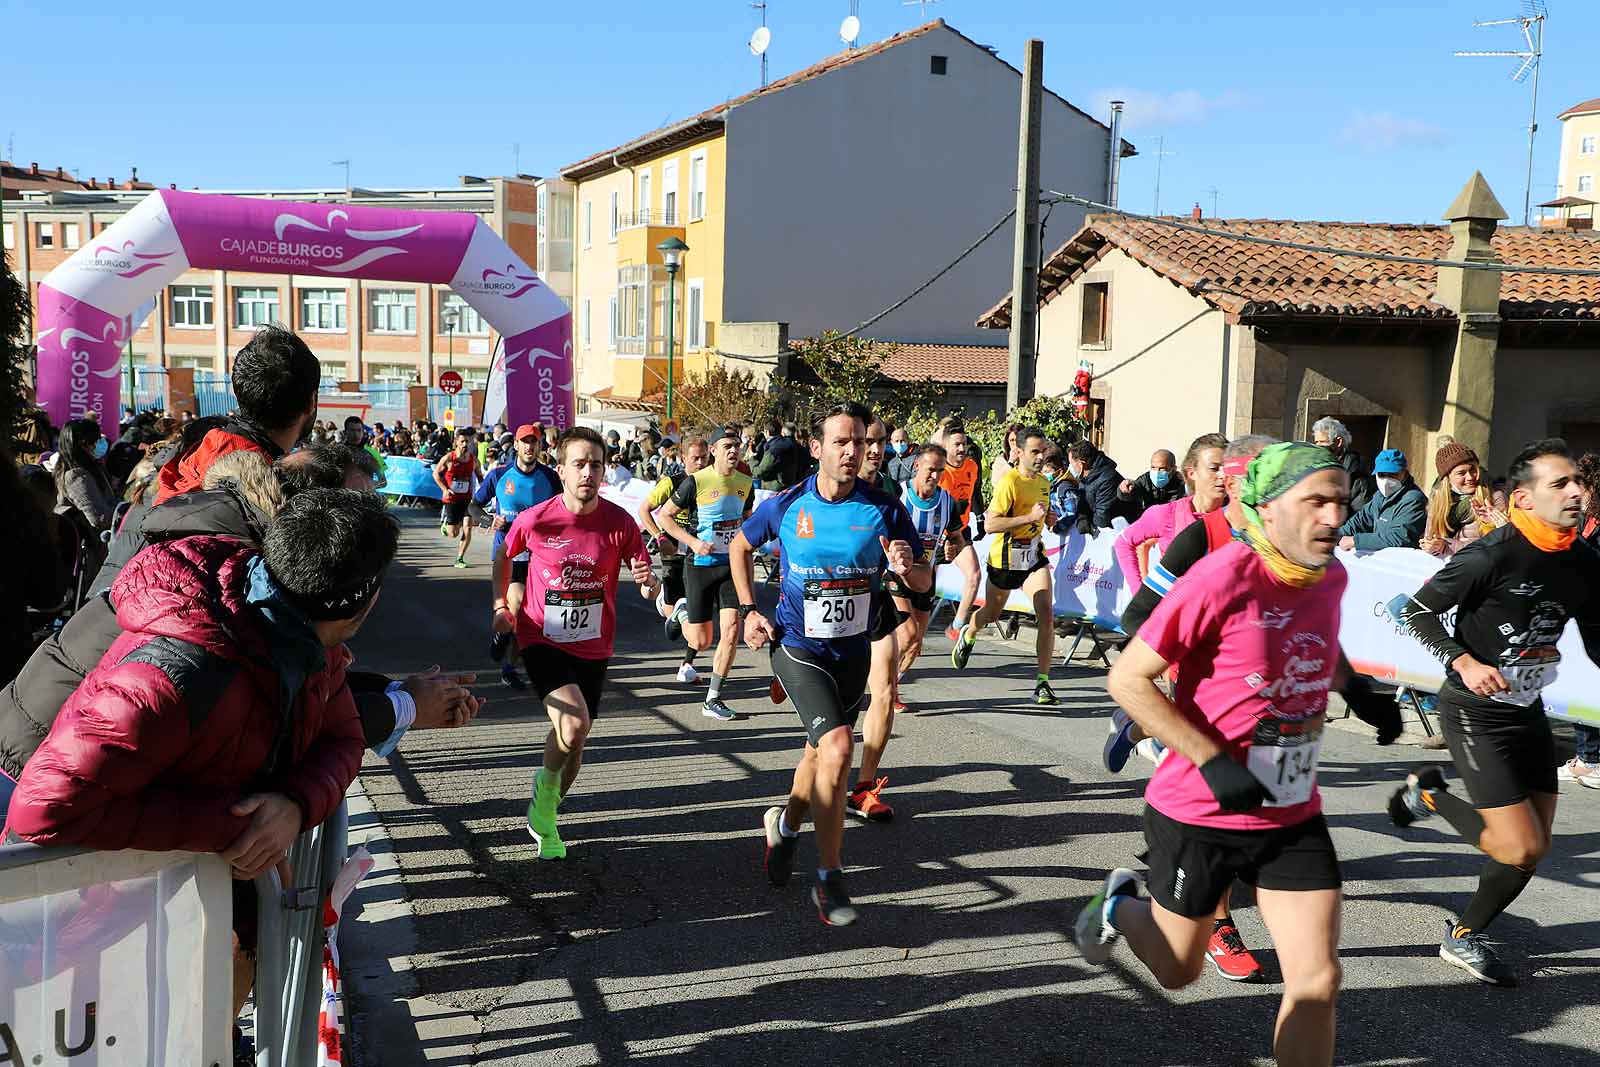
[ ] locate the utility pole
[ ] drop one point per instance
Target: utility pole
(1023, 355)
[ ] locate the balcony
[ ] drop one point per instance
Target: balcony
(639, 233)
(649, 218)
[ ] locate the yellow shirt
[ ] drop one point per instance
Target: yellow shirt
(1017, 494)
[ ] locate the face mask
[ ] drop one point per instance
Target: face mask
(1159, 478)
(899, 448)
(100, 448)
(1388, 485)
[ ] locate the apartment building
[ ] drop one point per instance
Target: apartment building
(816, 201)
(1577, 170)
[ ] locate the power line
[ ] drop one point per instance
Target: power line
(898, 304)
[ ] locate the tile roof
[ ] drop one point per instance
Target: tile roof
(951, 364)
(1253, 281)
(1581, 109)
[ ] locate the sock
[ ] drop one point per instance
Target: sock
(1498, 886)
(822, 874)
(689, 654)
(1217, 924)
(1110, 913)
(1044, 676)
(783, 827)
(1457, 812)
(716, 687)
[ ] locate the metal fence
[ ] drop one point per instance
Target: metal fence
(388, 394)
(213, 394)
(147, 389)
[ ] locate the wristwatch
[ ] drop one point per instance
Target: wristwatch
(745, 609)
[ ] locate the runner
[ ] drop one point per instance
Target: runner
(835, 533)
(454, 474)
(1254, 630)
(1018, 515)
(565, 615)
(963, 481)
(672, 605)
(514, 487)
(720, 498)
(1513, 591)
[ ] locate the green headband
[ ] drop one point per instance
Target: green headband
(1279, 468)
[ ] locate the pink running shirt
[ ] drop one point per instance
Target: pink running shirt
(1255, 661)
(573, 563)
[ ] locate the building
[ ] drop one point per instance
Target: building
(14, 180)
(1192, 333)
(363, 331)
(1579, 166)
(813, 204)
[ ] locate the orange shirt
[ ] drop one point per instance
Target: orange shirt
(959, 482)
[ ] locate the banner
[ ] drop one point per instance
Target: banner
(409, 476)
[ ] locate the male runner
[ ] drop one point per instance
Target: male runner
(835, 533)
(514, 487)
(672, 605)
(1018, 515)
(1254, 630)
(720, 498)
(454, 474)
(565, 614)
(1513, 591)
(963, 480)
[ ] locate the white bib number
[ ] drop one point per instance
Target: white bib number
(572, 615)
(1527, 673)
(722, 534)
(1021, 553)
(1283, 758)
(837, 607)
(459, 485)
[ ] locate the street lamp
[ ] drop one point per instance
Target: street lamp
(449, 316)
(672, 250)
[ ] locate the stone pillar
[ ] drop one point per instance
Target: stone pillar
(180, 391)
(1474, 296)
(416, 404)
(1261, 393)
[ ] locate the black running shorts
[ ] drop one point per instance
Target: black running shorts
(708, 589)
(672, 578)
(886, 619)
(826, 693)
(922, 602)
(1503, 753)
(549, 668)
(455, 511)
(1191, 867)
(1001, 578)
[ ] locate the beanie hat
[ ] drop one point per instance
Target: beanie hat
(1453, 455)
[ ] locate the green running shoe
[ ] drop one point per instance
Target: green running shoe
(961, 651)
(542, 817)
(1043, 695)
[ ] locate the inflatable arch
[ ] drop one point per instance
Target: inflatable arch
(85, 303)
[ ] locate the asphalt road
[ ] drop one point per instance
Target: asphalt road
(659, 938)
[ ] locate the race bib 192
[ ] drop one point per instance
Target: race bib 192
(1283, 758)
(837, 607)
(572, 615)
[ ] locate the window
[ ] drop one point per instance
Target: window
(1586, 183)
(392, 373)
(393, 311)
(10, 235)
(642, 208)
(611, 324)
(322, 309)
(563, 213)
(694, 329)
(614, 220)
(71, 236)
(587, 321)
(697, 187)
(191, 305)
(1586, 146)
(254, 307)
(333, 372)
(473, 379)
(669, 193)
(469, 323)
(632, 305)
(1096, 314)
(544, 200)
(938, 65)
(588, 223)
(191, 363)
(44, 235)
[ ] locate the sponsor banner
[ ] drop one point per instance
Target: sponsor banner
(409, 476)
(1087, 578)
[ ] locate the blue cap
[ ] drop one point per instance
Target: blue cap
(1389, 461)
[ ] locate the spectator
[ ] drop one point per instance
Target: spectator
(355, 436)
(1099, 479)
(1461, 509)
(1066, 499)
(276, 378)
(31, 570)
(1333, 435)
(1007, 457)
(782, 460)
(81, 481)
(1208, 491)
(1395, 515)
(1584, 766)
(901, 463)
(1161, 484)
(617, 472)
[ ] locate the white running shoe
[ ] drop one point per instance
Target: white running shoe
(687, 674)
(1152, 750)
(1575, 770)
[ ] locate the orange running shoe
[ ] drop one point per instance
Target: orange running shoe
(865, 802)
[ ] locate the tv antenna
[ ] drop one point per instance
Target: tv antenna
(1161, 153)
(1531, 22)
(850, 28)
(1213, 191)
(761, 40)
(921, 4)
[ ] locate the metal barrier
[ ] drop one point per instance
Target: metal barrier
(387, 394)
(147, 390)
(213, 394)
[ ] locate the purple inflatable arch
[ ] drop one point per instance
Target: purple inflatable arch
(84, 304)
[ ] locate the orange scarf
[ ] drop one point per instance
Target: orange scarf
(1545, 538)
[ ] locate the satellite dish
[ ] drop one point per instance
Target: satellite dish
(760, 40)
(849, 29)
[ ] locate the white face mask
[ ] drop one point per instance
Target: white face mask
(1388, 484)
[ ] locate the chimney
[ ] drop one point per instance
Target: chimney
(94, 183)
(1195, 214)
(1474, 296)
(135, 172)
(61, 172)
(33, 168)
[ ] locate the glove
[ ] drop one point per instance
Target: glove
(1378, 710)
(1235, 788)
(981, 533)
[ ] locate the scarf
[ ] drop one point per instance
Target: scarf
(1460, 513)
(1545, 538)
(1273, 472)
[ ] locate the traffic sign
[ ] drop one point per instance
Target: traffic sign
(448, 419)
(450, 382)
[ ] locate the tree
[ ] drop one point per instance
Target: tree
(845, 368)
(719, 397)
(16, 332)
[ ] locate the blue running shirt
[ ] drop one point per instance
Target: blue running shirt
(514, 491)
(830, 564)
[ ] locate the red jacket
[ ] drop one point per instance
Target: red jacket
(186, 472)
(199, 703)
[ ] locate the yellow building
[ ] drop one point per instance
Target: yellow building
(1578, 170)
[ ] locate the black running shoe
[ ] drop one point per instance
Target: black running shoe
(833, 901)
(672, 625)
(510, 677)
(1471, 952)
(780, 849)
(499, 644)
(1406, 804)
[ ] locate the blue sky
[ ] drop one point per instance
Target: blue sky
(1348, 110)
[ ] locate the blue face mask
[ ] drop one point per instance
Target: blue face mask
(100, 448)
(899, 448)
(1159, 478)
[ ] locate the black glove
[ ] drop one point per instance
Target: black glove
(1381, 711)
(1235, 788)
(980, 534)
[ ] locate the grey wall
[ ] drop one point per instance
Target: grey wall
(848, 191)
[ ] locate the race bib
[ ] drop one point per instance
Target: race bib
(1021, 553)
(459, 485)
(1527, 671)
(722, 534)
(1283, 758)
(837, 607)
(572, 615)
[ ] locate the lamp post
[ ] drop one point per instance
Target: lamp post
(449, 316)
(672, 250)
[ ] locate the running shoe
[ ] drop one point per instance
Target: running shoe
(1471, 952)
(716, 709)
(962, 651)
(953, 633)
(1575, 770)
(687, 674)
(1119, 742)
(510, 677)
(673, 623)
(542, 817)
(1093, 931)
(444, 530)
(780, 850)
(1043, 695)
(899, 708)
(776, 692)
(833, 901)
(866, 803)
(498, 644)
(461, 563)
(1152, 750)
(1407, 804)
(1229, 956)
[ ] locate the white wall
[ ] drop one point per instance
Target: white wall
(848, 191)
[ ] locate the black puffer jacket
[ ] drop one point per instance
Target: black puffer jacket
(1099, 485)
(222, 510)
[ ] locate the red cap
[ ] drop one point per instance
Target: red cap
(1237, 466)
(530, 429)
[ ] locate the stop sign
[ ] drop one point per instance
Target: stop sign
(450, 382)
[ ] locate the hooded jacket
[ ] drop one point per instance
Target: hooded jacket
(223, 510)
(204, 442)
(1099, 486)
(216, 689)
